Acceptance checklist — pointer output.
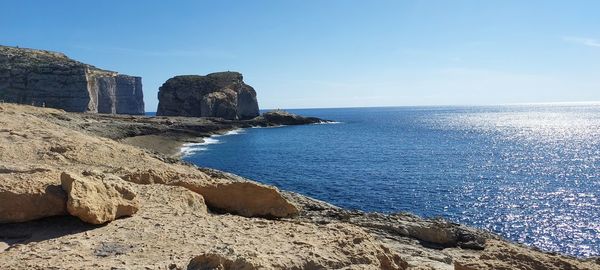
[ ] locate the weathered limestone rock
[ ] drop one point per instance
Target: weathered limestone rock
(224, 192)
(222, 94)
(98, 201)
(28, 194)
(51, 79)
(500, 255)
(243, 198)
(177, 200)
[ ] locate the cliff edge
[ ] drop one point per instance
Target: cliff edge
(222, 94)
(51, 79)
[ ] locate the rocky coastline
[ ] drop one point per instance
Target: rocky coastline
(51, 79)
(149, 210)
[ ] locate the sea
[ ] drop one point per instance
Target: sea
(530, 173)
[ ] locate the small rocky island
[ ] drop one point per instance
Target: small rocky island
(51, 79)
(221, 94)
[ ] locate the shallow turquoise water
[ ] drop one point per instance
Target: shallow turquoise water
(530, 173)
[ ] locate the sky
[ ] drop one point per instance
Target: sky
(333, 53)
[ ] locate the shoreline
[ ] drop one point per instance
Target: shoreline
(346, 211)
(171, 145)
(178, 144)
(435, 243)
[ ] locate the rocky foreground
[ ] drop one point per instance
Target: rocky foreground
(86, 191)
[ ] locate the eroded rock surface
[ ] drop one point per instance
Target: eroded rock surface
(30, 193)
(168, 234)
(222, 94)
(225, 193)
(96, 200)
(500, 255)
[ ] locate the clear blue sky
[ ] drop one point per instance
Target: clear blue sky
(333, 53)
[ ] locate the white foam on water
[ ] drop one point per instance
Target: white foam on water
(234, 132)
(328, 122)
(191, 148)
(278, 126)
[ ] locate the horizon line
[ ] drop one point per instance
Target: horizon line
(442, 105)
(450, 105)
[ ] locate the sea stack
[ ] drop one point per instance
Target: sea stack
(51, 79)
(221, 94)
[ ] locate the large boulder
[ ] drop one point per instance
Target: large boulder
(51, 79)
(29, 193)
(96, 200)
(222, 94)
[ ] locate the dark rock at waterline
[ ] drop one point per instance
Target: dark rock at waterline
(222, 94)
(51, 79)
(279, 117)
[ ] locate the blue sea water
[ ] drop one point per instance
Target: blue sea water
(530, 173)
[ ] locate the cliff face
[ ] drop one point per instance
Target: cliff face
(222, 94)
(51, 79)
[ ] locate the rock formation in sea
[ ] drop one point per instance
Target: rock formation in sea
(51, 79)
(286, 118)
(221, 94)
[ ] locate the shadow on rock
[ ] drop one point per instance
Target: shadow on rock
(43, 229)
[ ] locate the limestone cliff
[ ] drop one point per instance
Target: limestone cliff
(222, 94)
(51, 79)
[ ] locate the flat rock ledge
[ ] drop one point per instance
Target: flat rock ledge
(227, 193)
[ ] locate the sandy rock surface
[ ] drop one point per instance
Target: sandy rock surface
(30, 193)
(226, 193)
(95, 200)
(172, 225)
(500, 255)
(171, 233)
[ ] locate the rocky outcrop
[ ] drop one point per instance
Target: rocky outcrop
(500, 255)
(98, 201)
(279, 117)
(222, 94)
(29, 193)
(51, 79)
(228, 194)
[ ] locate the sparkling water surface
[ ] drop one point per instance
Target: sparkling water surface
(528, 172)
